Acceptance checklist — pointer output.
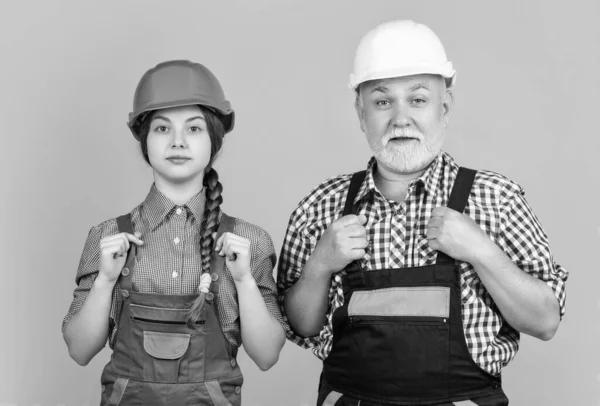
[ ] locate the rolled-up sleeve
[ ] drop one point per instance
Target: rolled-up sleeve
(262, 265)
(525, 242)
(295, 252)
(88, 269)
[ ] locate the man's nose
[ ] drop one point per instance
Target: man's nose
(401, 115)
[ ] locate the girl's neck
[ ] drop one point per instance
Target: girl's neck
(179, 193)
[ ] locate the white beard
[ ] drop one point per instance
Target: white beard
(405, 157)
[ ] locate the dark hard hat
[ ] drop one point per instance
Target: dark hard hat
(180, 83)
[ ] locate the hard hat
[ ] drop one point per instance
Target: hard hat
(400, 48)
(180, 83)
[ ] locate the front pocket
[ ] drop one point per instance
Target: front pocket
(411, 301)
(166, 345)
(158, 314)
(404, 355)
(112, 393)
(159, 351)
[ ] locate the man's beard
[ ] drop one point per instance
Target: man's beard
(405, 157)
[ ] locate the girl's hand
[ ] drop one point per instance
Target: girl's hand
(113, 253)
(236, 250)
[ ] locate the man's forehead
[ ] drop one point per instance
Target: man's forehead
(413, 82)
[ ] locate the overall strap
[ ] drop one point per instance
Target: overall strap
(458, 201)
(355, 183)
(217, 269)
(125, 225)
(217, 262)
(350, 208)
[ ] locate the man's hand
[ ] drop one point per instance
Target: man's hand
(344, 241)
(455, 234)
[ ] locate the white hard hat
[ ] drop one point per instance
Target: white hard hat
(400, 48)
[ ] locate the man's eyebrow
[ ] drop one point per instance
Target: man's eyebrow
(418, 86)
(379, 88)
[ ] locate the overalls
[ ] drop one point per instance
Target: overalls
(398, 339)
(157, 359)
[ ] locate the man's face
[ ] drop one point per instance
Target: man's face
(404, 119)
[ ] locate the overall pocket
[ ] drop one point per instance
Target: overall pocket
(112, 392)
(160, 340)
(400, 337)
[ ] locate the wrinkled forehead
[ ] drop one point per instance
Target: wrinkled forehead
(413, 82)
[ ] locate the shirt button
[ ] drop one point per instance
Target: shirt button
(176, 240)
(174, 274)
(238, 390)
(233, 363)
(209, 296)
(125, 271)
(125, 293)
(179, 211)
(214, 276)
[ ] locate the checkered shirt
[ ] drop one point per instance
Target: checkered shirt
(169, 260)
(397, 234)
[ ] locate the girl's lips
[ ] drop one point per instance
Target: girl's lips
(178, 160)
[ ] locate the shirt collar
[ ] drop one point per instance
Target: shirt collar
(157, 206)
(429, 179)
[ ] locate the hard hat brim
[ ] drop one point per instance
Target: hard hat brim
(225, 112)
(446, 71)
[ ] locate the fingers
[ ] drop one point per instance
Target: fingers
(357, 253)
(355, 230)
(433, 233)
(349, 220)
(442, 211)
(435, 222)
(361, 242)
(116, 248)
(232, 250)
(125, 237)
(232, 245)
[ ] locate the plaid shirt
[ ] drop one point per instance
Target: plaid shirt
(169, 260)
(397, 231)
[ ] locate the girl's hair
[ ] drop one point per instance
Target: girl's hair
(214, 190)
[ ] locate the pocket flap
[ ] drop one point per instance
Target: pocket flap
(427, 301)
(166, 345)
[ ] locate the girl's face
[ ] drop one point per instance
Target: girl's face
(179, 145)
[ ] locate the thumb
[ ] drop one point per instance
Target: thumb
(362, 219)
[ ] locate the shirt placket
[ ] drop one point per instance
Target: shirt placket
(178, 243)
(398, 235)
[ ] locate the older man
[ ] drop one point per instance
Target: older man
(412, 280)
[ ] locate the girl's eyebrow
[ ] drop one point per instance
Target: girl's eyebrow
(187, 121)
(194, 118)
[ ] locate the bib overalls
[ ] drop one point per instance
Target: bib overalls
(398, 339)
(157, 359)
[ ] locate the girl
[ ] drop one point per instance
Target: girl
(176, 285)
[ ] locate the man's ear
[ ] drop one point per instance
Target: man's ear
(447, 106)
(358, 106)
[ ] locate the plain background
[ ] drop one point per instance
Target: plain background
(526, 106)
